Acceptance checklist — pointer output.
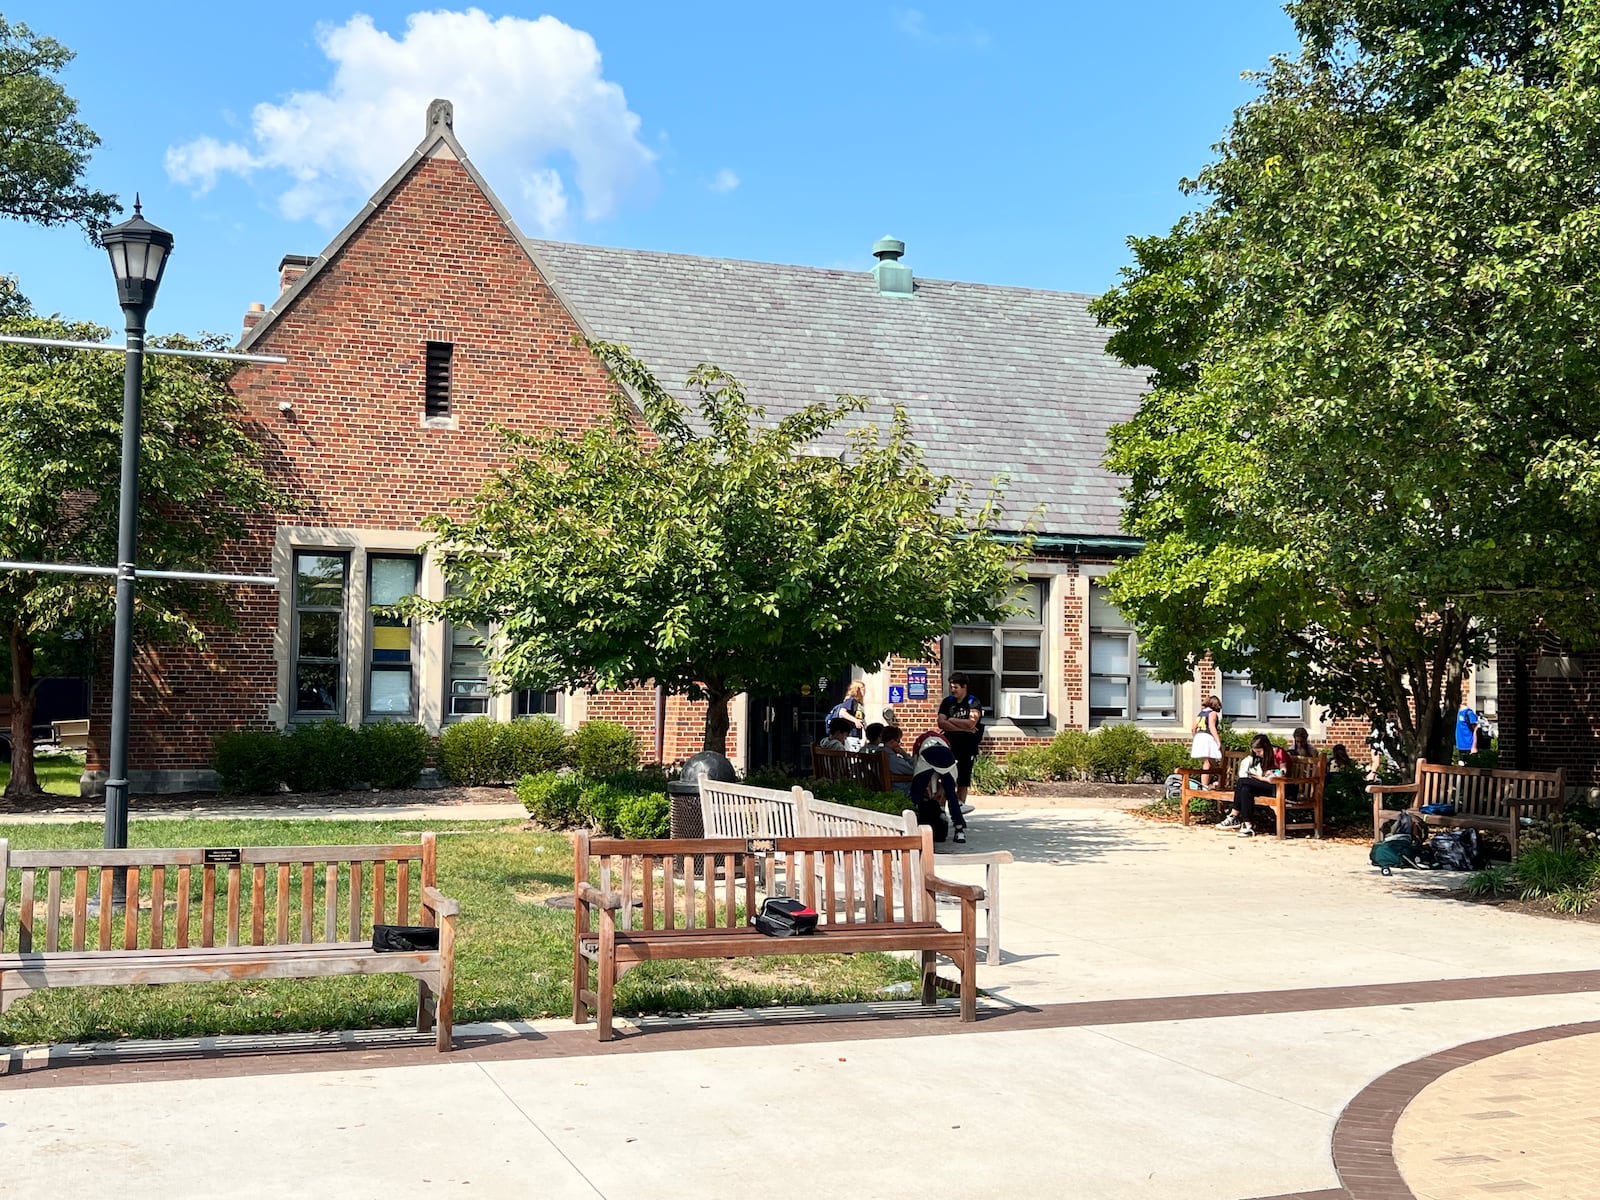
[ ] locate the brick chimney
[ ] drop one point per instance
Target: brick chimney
(253, 316)
(291, 268)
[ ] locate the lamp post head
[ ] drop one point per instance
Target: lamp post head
(138, 253)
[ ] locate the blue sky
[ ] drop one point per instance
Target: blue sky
(1007, 143)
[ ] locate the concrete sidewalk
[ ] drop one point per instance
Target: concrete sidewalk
(1151, 1033)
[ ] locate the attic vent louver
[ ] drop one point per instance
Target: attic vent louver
(436, 385)
(893, 276)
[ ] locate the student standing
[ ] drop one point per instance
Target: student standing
(1207, 744)
(961, 722)
(1466, 730)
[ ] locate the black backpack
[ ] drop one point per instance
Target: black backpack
(784, 916)
(1459, 850)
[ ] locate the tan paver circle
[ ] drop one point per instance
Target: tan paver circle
(1525, 1123)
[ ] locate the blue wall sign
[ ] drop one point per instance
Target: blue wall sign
(917, 682)
(897, 694)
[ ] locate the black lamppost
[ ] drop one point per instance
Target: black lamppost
(138, 252)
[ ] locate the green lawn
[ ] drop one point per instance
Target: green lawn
(513, 953)
(56, 773)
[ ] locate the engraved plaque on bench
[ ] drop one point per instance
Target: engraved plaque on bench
(760, 845)
(228, 855)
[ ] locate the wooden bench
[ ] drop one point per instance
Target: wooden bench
(195, 908)
(631, 908)
(870, 768)
(70, 735)
(1301, 790)
(735, 810)
(1484, 798)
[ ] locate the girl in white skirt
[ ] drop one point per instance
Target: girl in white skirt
(1207, 744)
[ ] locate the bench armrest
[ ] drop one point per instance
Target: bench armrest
(589, 894)
(1386, 789)
(961, 891)
(975, 860)
(439, 903)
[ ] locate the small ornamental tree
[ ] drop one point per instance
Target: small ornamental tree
(1369, 440)
(714, 557)
(60, 451)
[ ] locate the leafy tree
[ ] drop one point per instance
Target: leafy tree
(1374, 351)
(60, 449)
(44, 148)
(744, 557)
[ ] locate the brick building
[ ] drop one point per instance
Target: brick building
(429, 320)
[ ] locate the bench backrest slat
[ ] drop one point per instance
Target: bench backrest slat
(249, 902)
(848, 880)
(1485, 792)
(870, 768)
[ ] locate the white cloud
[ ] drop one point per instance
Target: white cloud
(913, 23)
(531, 107)
(726, 180)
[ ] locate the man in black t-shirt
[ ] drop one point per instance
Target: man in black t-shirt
(961, 722)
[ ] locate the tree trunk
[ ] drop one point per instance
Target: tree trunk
(23, 781)
(716, 733)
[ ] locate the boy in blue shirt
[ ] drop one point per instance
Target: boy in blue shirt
(1466, 731)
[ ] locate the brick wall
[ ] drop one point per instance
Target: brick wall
(1563, 710)
(433, 262)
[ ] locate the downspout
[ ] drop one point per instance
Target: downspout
(661, 725)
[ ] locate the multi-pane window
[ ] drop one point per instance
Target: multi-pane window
(391, 657)
(531, 702)
(1122, 686)
(1010, 654)
(1245, 703)
(468, 684)
(319, 596)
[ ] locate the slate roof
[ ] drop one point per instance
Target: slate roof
(997, 380)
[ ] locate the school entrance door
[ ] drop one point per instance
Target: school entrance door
(784, 728)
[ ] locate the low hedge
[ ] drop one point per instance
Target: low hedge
(318, 757)
(631, 805)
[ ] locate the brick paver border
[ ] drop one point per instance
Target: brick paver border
(734, 1029)
(1363, 1139)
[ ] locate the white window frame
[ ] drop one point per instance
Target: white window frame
(1242, 679)
(1139, 677)
(996, 635)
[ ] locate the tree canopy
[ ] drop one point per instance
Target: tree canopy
(44, 148)
(717, 555)
(60, 451)
(1369, 440)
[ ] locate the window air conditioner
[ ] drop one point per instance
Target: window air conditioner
(1027, 706)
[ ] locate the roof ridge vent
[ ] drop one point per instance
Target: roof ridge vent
(893, 276)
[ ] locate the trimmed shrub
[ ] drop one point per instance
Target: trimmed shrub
(393, 755)
(989, 778)
(554, 799)
(1167, 757)
(643, 815)
(1345, 801)
(1069, 754)
(604, 748)
(470, 753)
(1231, 738)
(1029, 764)
(249, 761)
(1120, 753)
(324, 756)
(530, 747)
